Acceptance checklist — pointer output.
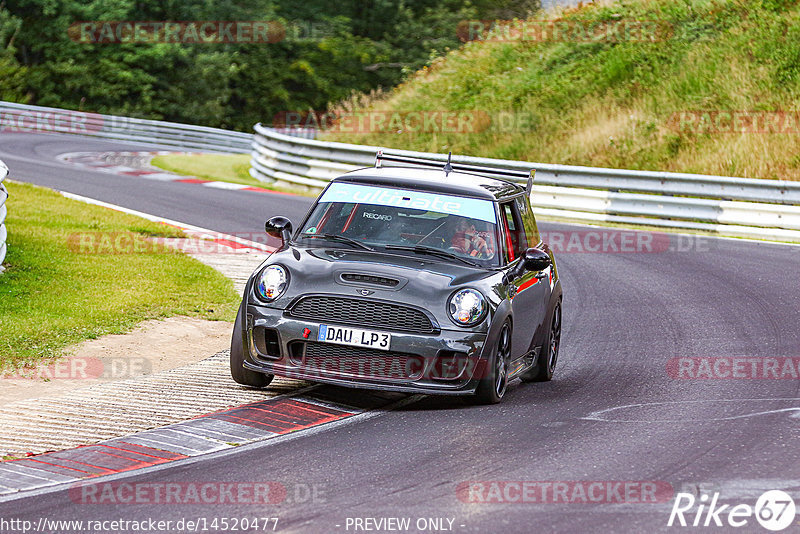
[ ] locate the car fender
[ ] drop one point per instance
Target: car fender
(543, 329)
(498, 317)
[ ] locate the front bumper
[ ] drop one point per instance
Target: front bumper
(447, 362)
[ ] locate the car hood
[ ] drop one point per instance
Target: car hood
(422, 281)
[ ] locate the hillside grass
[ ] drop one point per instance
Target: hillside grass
(52, 295)
(614, 105)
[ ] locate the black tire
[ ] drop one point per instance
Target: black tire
(492, 387)
(240, 375)
(546, 366)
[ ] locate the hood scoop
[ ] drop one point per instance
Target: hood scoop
(370, 280)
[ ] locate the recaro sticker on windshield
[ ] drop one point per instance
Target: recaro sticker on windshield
(401, 198)
(377, 216)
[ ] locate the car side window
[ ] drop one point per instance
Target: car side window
(529, 221)
(515, 235)
(331, 219)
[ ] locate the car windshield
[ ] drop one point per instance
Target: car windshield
(450, 228)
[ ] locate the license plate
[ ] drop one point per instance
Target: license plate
(354, 336)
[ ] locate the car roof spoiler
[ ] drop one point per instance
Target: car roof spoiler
(448, 167)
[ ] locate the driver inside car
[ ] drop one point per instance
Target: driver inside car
(471, 241)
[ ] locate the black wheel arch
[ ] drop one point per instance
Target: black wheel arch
(242, 319)
(498, 317)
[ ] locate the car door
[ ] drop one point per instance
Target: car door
(528, 290)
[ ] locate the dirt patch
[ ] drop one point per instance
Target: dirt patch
(153, 346)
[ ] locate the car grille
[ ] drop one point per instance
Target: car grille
(362, 313)
(327, 359)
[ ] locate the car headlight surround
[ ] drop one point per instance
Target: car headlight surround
(272, 282)
(467, 307)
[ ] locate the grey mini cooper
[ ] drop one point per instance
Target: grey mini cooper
(411, 276)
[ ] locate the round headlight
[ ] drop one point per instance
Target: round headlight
(272, 282)
(467, 307)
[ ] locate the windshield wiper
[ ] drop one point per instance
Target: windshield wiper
(422, 249)
(343, 239)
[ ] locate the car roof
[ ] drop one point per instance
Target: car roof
(421, 179)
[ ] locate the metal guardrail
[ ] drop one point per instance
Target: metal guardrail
(24, 118)
(3, 212)
(768, 209)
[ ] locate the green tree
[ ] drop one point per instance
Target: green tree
(13, 76)
(330, 50)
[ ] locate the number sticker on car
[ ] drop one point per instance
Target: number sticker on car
(354, 336)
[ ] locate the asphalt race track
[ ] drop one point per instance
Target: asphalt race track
(617, 411)
(32, 158)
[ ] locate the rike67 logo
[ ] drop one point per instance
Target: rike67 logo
(774, 510)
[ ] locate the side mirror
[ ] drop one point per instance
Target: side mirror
(536, 259)
(279, 227)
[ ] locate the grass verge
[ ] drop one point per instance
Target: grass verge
(232, 168)
(52, 296)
